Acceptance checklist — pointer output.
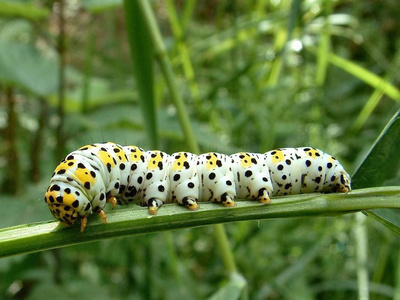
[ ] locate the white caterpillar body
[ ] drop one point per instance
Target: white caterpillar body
(95, 174)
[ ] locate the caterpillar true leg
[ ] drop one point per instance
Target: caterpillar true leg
(113, 201)
(83, 224)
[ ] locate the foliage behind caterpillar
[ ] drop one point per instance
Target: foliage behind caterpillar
(95, 174)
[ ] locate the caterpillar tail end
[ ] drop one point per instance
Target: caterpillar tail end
(113, 201)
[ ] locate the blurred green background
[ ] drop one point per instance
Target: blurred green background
(254, 75)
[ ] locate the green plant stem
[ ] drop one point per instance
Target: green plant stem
(324, 46)
(183, 52)
(60, 139)
(142, 50)
(134, 220)
(361, 239)
(161, 55)
(223, 243)
(183, 116)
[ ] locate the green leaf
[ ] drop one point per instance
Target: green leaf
(23, 10)
(383, 160)
(382, 163)
(388, 217)
(134, 220)
(24, 66)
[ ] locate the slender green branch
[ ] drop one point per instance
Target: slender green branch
(183, 116)
(134, 220)
(161, 54)
(223, 243)
(361, 238)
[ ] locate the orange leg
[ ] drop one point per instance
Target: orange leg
(83, 224)
(103, 216)
(113, 201)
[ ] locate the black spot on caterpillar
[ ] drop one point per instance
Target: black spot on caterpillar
(95, 174)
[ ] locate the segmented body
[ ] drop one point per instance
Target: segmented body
(95, 174)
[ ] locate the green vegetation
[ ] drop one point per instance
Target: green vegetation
(198, 76)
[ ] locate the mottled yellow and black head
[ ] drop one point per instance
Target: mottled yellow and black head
(66, 202)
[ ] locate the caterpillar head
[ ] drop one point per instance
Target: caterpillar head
(66, 202)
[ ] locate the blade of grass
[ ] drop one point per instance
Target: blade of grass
(183, 52)
(188, 10)
(281, 38)
(324, 46)
(142, 51)
(161, 55)
(367, 109)
(368, 77)
(134, 220)
(375, 97)
(183, 116)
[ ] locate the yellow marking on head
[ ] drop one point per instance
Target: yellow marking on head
(155, 159)
(245, 162)
(179, 162)
(278, 156)
(211, 163)
(49, 193)
(68, 199)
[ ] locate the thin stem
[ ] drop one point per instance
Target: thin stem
(61, 80)
(226, 252)
(362, 256)
(135, 220)
(161, 54)
(183, 116)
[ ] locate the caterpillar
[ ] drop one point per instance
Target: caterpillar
(95, 174)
